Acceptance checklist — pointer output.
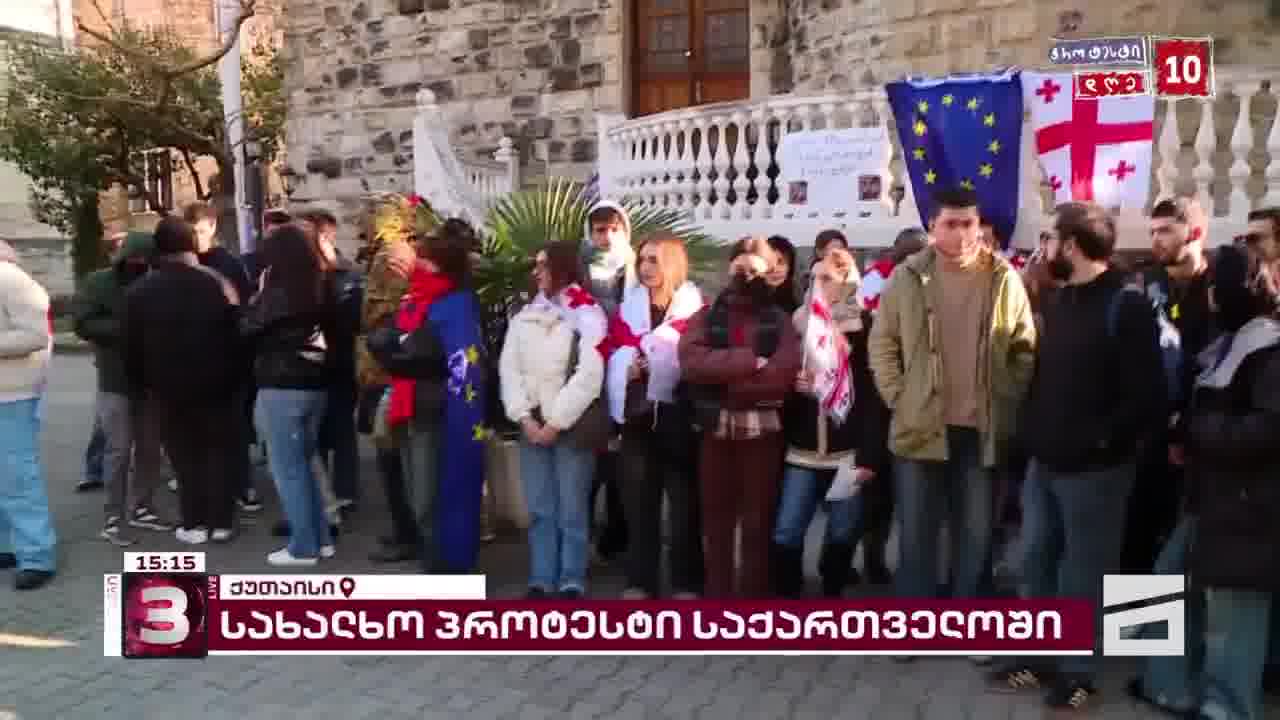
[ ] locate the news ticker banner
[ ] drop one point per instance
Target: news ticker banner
(192, 614)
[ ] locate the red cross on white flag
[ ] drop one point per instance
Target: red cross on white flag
(1097, 150)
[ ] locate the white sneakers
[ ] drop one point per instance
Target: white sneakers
(221, 535)
(283, 558)
(193, 536)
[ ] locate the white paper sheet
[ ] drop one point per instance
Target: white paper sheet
(846, 483)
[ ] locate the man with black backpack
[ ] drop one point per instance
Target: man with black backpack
(1096, 390)
(1177, 286)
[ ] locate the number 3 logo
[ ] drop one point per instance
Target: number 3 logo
(175, 616)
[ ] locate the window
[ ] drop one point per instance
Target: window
(157, 171)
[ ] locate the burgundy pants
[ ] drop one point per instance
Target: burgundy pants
(740, 481)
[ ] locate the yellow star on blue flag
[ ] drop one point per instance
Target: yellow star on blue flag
(971, 121)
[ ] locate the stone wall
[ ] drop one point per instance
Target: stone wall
(837, 45)
(533, 70)
(539, 70)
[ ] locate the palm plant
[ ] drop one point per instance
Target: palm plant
(520, 223)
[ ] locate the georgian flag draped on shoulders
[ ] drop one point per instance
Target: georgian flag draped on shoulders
(873, 283)
(822, 356)
(1092, 150)
(630, 334)
(576, 306)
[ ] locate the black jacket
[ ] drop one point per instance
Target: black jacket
(1098, 388)
(180, 337)
(220, 259)
(1234, 467)
(347, 287)
(419, 356)
(290, 347)
(865, 430)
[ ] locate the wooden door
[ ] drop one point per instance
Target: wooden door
(689, 52)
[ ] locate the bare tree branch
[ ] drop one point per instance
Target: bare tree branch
(195, 174)
(168, 74)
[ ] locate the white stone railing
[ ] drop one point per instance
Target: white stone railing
(696, 159)
(455, 186)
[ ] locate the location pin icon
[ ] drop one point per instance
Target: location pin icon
(347, 586)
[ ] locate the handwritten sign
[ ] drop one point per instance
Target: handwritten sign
(827, 170)
(1112, 83)
(1100, 51)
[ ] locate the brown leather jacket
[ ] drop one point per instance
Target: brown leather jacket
(735, 367)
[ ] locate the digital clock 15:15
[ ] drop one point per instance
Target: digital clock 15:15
(141, 562)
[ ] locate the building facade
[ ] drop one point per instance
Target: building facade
(195, 21)
(542, 71)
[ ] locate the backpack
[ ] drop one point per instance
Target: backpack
(1170, 343)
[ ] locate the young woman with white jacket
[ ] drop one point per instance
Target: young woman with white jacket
(549, 386)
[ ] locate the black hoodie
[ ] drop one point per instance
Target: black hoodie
(1098, 387)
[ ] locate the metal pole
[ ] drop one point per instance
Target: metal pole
(232, 110)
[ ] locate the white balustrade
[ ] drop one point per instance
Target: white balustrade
(719, 163)
(458, 186)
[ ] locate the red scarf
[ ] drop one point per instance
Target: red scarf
(424, 289)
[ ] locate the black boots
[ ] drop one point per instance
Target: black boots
(836, 566)
(788, 571)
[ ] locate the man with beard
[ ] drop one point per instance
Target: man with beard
(740, 357)
(951, 349)
(1177, 286)
(1098, 386)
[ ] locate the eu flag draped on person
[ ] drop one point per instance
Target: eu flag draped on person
(963, 131)
(456, 320)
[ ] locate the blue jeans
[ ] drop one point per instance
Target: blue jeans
(803, 489)
(26, 528)
(956, 493)
(557, 484)
(1172, 681)
(94, 453)
(289, 421)
(1073, 527)
(1235, 652)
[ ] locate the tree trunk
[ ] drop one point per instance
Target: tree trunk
(88, 251)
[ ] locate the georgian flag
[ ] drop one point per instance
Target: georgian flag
(1093, 150)
(823, 358)
(873, 283)
(630, 334)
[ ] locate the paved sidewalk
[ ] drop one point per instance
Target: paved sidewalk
(74, 681)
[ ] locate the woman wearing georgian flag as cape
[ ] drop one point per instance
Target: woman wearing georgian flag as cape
(833, 417)
(657, 437)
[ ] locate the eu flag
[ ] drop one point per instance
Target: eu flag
(963, 131)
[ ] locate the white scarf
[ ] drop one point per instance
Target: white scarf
(1257, 334)
(658, 345)
(574, 305)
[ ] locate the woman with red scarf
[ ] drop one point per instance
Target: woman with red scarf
(434, 353)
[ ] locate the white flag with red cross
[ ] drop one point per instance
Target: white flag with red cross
(1091, 149)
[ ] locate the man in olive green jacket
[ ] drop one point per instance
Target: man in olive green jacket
(952, 352)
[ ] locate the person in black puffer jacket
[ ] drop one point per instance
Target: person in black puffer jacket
(817, 445)
(289, 326)
(1232, 428)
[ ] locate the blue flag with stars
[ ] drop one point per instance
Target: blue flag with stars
(963, 131)
(461, 435)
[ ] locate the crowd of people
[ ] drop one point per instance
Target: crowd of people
(1112, 418)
